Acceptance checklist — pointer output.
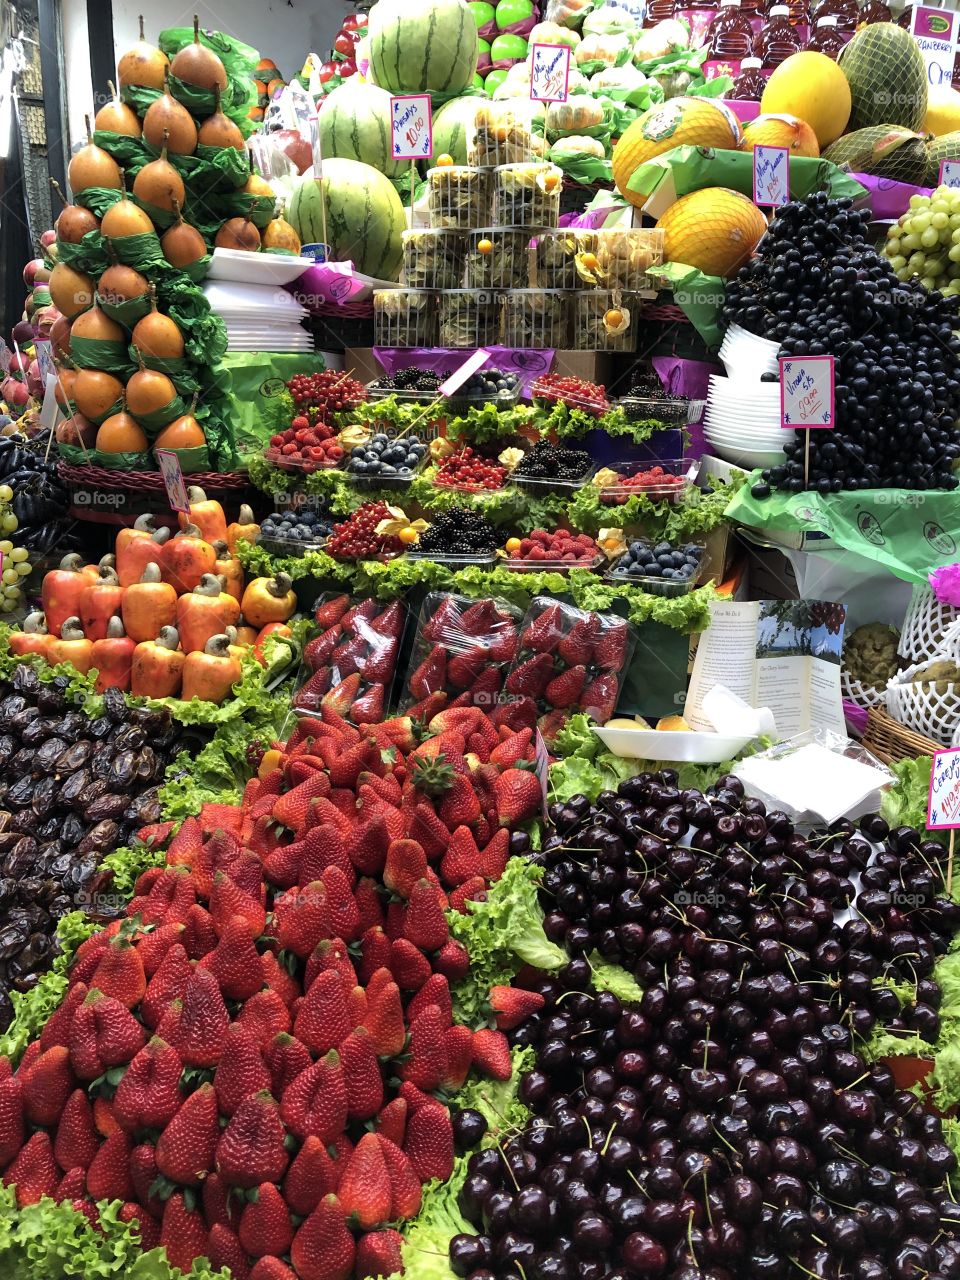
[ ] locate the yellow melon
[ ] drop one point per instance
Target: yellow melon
(714, 230)
(810, 85)
(943, 110)
(780, 131)
(678, 122)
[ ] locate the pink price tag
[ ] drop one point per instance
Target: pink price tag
(771, 176)
(550, 72)
(943, 801)
(411, 124)
(459, 376)
(807, 391)
(173, 479)
(949, 173)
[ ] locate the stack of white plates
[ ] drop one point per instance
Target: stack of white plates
(742, 422)
(259, 317)
(747, 356)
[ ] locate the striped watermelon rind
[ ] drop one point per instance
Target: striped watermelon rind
(364, 217)
(430, 46)
(354, 124)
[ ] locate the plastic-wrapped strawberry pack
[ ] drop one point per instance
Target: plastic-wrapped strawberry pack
(353, 660)
(461, 654)
(569, 661)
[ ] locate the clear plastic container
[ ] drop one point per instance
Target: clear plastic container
(847, 13)
(433, 259)
(297, 465)
(875, 11)
(604, 320)
(468, 318)
(462, 647)
(826, 38)
(290, 546)
(483, 559)
(558, 255)
(778, 40)
(501, 135)
(730, 35)
(659, 481)
(750, 83)
(670, 410)
(526, 195)
(656, 584)
(553, 566)
(537, 319)
(404, 318)
(458, 196)
(357, 637)
(404, 474)
(498, 258)
(625, 259)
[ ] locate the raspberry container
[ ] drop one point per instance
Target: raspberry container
(433, 259)
(552, 566)
(468, 318)
(462, 649)
(352, 658)
(502, 134)
(458, 196)
(404, 318)
(547, 396)
(498, 258)
(669, 481)
(298, 465)
(537, 319)
(625, 259)
(603, 321)
(527, 195)
(565, 259)
(656, 585)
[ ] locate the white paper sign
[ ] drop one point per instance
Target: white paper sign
(5, 356)
(44, 352)
(943, 804)
(411, 122)
(550, 72)
(950, 173)
(935, 31)
(173, 479)
(459, 376)
(49, 408)
(807, 391)
(771, 175)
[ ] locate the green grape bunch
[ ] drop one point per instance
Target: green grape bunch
(16, 560)
(925, 242)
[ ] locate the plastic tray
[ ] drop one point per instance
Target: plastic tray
(549, 402)
(458, 403)
(552, 566)
(289, 546)
(386, 482)
(643, 408)
(256, 268)
(304, 467)
(667, 587)
(485, 560)
(617, 494)
(381, 558)
(537, 485)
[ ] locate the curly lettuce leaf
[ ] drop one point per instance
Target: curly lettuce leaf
(613, 977)
(905, 803)
(501, 934)
(577, 776)
(485, 423)
(497, 1100)
(127, 865)
(33, 1009)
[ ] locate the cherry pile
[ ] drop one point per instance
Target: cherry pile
(470, 470)
(726, 1125)
(321, 395)
(356, 538)
(576, 393)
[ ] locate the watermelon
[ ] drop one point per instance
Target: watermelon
(364, 216)
(427, 47)
(453, 127)
(354, 123)
(887, 76)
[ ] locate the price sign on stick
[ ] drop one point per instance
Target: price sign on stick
(411, 123)
(771, 176)
(44, 352)
(173, 479)
(943, 802)
(950, 173)
(550, 72)
(466, 370)
(807, 397)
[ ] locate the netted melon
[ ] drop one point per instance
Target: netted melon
(884, 150)
(946, 147)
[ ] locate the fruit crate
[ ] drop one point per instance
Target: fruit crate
(433, 258)
(405, 318)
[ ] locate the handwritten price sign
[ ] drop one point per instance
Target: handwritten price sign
(807, 391)
(771, 176)
(950, 173)
(411, 121)
(943, 805)
(550, 72)
(45, 360)
(173, 479)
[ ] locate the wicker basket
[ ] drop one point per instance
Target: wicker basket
(118, 497)
(891, 741)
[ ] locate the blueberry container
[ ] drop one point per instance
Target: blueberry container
(655, 582)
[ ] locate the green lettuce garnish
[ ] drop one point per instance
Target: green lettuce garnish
(127, 865)
(613, 977)
(497, 1100)
(905, 803)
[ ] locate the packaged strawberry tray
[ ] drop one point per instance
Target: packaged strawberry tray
(352, 661)
(569, 661)
(462, 650)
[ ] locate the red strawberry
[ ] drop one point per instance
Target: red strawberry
(286, 1058)
(77, 1140)
(369, 906)
(271, 1269)
(564, 690)
(392, 1121)
(461, 858)
(436, 991)
(199, 935)
(390, 622)
(404, 1183)
(513, 749)
(431, 834)
(120, 973)
(264, 1016)
(152, 947)
(291, 809)
(323, 1248)
(364, 1192)
(57, 1030)
(599, 699)
(11, 1119)
(430, 676)
(464, 668)
(103, 1034)
(458, 1050)
(227, 901)
(406, 863)
(379, 664)
(610, 650)
(108, 1177)
(362, 611)
(459, 806)
(186, 1147)
(72, 1186)
(543, 634)
(516, 713)
(531, 677)
(369, 706)
(428, 707)
(316, 1101)
(495, 855)
(425, 924)
(241, 1071)
(384, 1020)
(576, 647)
(415, 1098)
(183, 1234)
(34, 1172)
(429, 1142)
(346, 657)
(491, 1054)
(362, 1074)
(235, 961)
(472, 890)
(453, 959)
(310, 695)
(276, 978)
(301, 918)
(185, 845)
(426, 1062)
(265, 1227)
(310, 1177)
(330, 953)
(344, 915)
(342, 696)
(329, 611)
(167, 984)
(251, 1149)
(202, 1026)
(511, 1005)
(502, 643)
(46, 1086)
(148, 1096)
(444, 622)
(225, 1250)
(366, 846)
(519, 796)
(321, 1022)
(378, 1254)
(143, 1174)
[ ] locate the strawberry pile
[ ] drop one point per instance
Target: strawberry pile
(319, 396)
(559, 547)
(462, 650)
(356, 538)
(470, 471)
(354, 658)
(569, 661)
(254, 1061)
(575, 393)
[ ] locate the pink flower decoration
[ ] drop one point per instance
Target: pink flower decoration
(945, 583)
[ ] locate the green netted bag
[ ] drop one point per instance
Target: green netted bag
(192, 460)
(179, 371)
(259, 209)
(126, 313)
(98, 199)
(239, 61)
(884, 150)
(153, 423)
(99, 353)
(142, 251)
(89, 254)
(129, 153)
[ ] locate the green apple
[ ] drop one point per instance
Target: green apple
(494, 80)
(510, 12)
(483, 13)
(508, 49)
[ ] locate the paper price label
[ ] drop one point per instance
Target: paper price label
(6, 355)
(459, 376)
(807, 386)
(44, 352)
(173, 479)
(550, 72)
(542, 763)
(771, 176)
(411, 122)
(950, 173)
(936, 33)
(49, 409)
(943, 803)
